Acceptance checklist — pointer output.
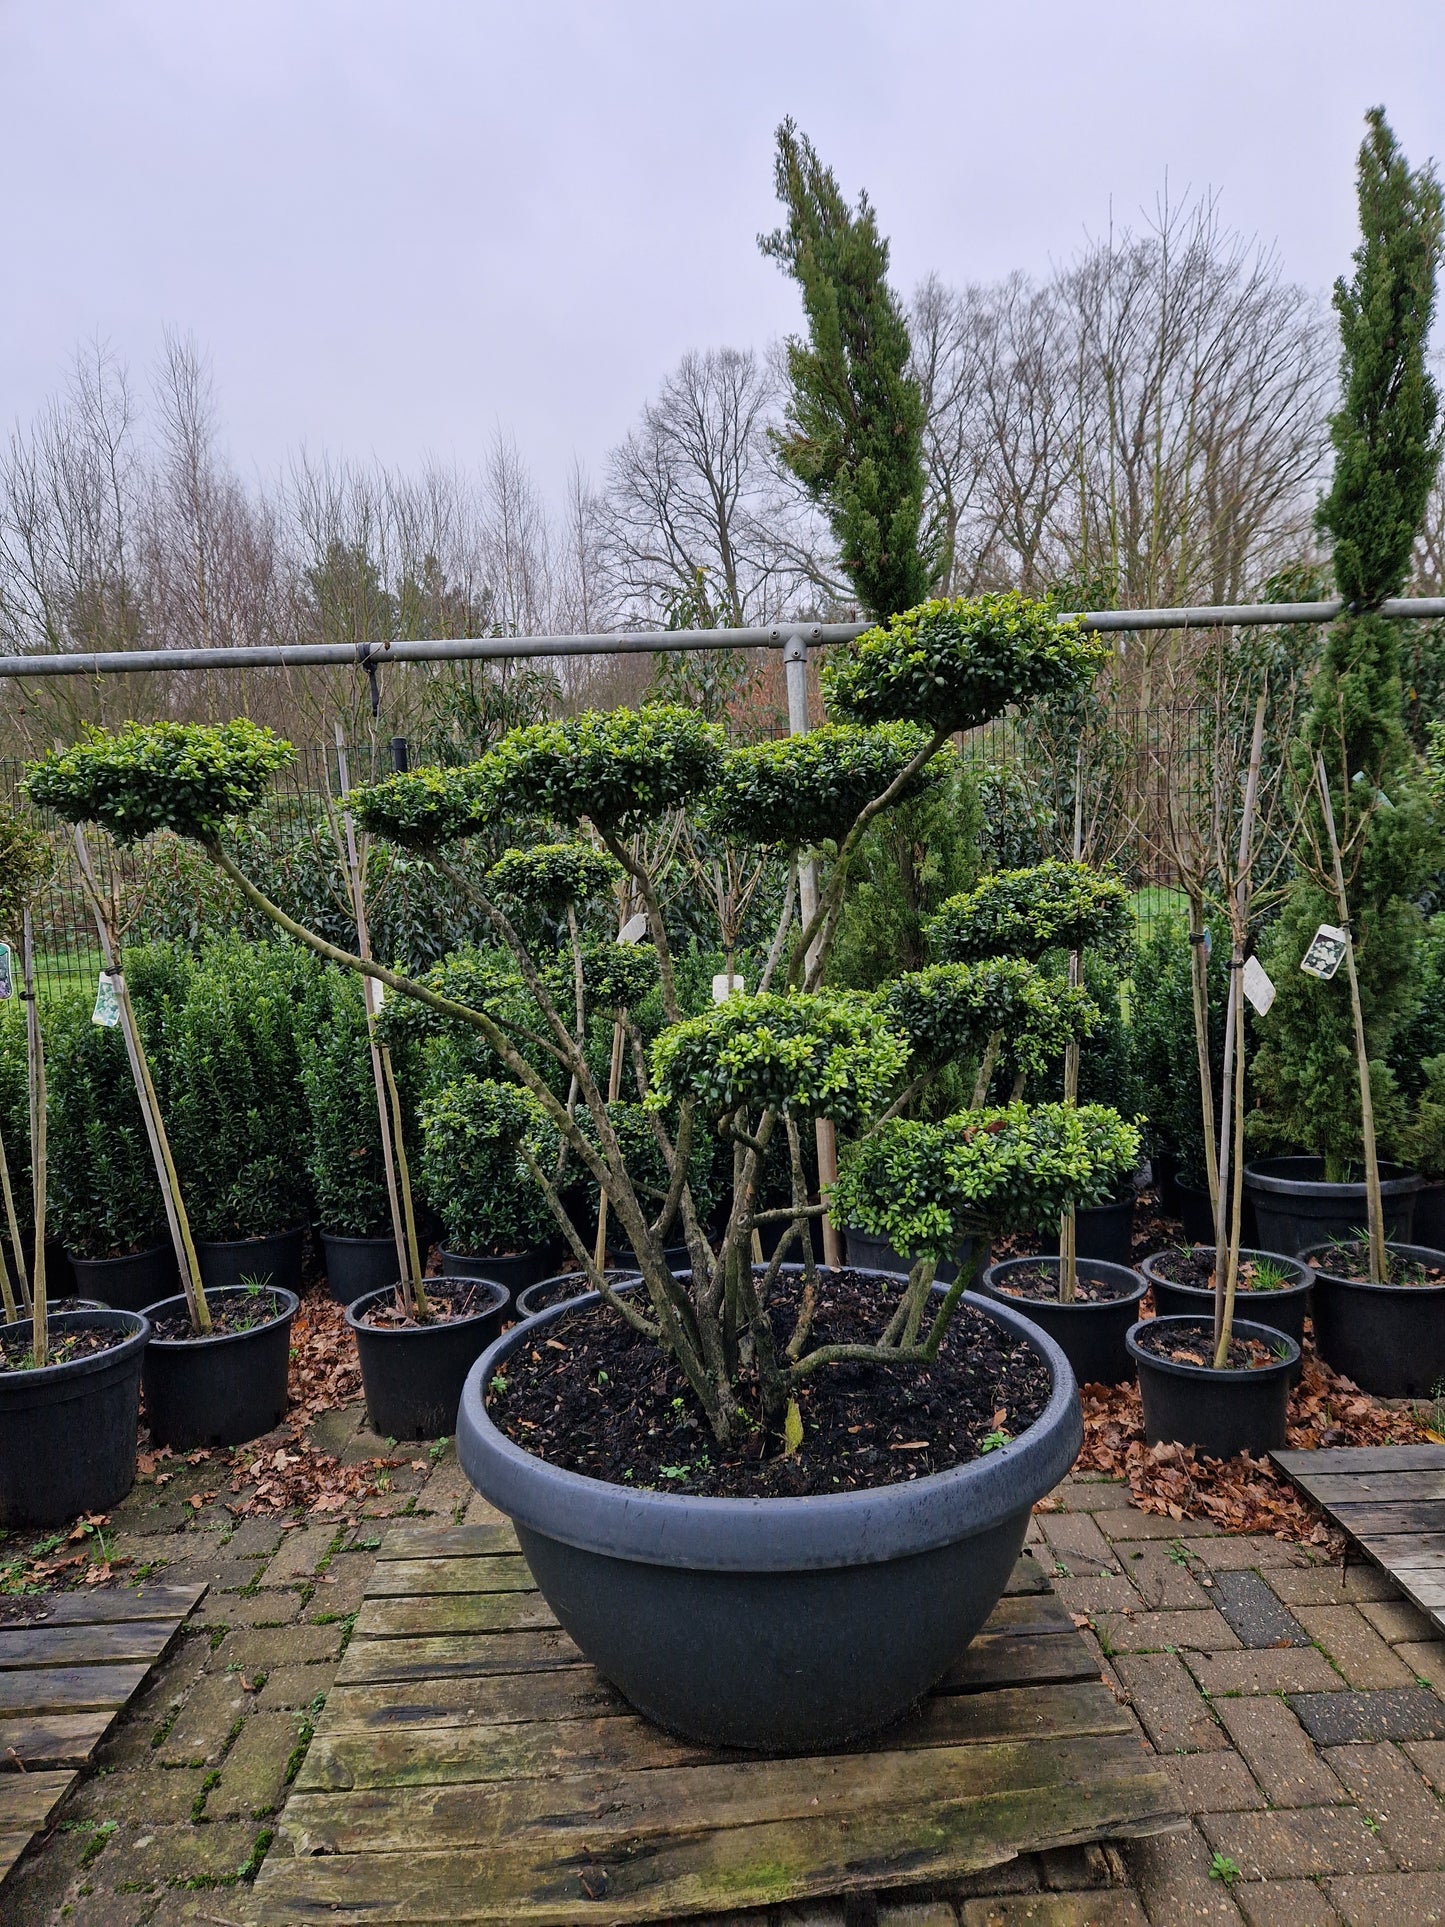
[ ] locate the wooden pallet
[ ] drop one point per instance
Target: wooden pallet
(1390, 1499)
(68, 1664)
(470, 1766)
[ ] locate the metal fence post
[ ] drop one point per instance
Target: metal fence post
(795, 669)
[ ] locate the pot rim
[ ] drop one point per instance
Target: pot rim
(163, 1306)
(162, 1250)
(619, 1276)
(501, 1299)
(1086, 1267)
(258, 1238)
(815, 1533)
(1241, 1291)
(1278, 1183)
(346, 1238)
(1364, 1284)
(56, 1374)
(1243, 1327)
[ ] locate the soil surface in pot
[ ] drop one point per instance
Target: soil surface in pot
(1179, 1348)
(1196, 1268)
(1040, 1282)
(1352, 1261)
(594, 1396)
(65, 1347)
(231, 1312)
(445, 1303)
(543, 1297)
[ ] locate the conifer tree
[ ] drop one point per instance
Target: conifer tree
(854, 429)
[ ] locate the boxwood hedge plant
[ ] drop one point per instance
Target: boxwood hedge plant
(753, 1072)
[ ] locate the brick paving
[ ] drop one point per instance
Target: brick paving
(1299, 1706)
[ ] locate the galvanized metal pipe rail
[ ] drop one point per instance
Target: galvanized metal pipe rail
(371, 656)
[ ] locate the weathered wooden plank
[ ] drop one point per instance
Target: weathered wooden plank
(479, 1653)
(445, 1542)
(12, 1845)
(1334, 1488)
(454, 1612)
(477, 1572)
(1374, 1518)
(101, 1605)
(562, 1879)
(1424, 1551)
(69, 1689)
(365, 1753)
(569, 1692)
(1011, 1659)
(52, 1739)
(1361, 1458)
(1027, 1576)
(111, 1643)
(27, 1800)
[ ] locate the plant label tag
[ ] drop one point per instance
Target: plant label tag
(1326, 952)
(725, 986)
(1257, 986)
(634, 930)
(107, 1004)
(7, 974)
(378, 994)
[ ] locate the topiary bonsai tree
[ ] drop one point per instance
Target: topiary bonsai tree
(756, 1069)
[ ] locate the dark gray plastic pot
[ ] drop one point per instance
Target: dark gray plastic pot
(1295, 1207)
(357, 1265)
(1089, 1333)
(1390, 1339)
(1283, 1311)
(235, 1264)
(223, 1389)
(764, 1623)
(1429, 1224)
(130, 1283)
(68, 1432)
(1101, 1231)
(1194, 1212)
(864, 1252)
(413, 1374)
(1219, 1413)
(513, 1274)
(563, 1289)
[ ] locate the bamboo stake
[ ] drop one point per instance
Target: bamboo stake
(1379, 1261)
(1199, 988)
(35, 1067)
(176, 1216)
(1068, 1225)
(12, 1224)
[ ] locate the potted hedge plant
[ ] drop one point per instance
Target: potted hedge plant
(69, 1380)
(775, 1540)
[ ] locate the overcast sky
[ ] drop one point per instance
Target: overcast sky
(393, 226)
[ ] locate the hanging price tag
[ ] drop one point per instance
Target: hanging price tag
(107, 1004)
(725, 986)
(634, 930)
(1326, 952)
(7, 974)
(378, 994)
(1257, 985)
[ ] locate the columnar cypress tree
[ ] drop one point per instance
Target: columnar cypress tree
(1386, 451)
(854, 429)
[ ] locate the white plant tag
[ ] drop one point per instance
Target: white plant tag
(7, 974)
(378, 994)
(634, 930)
(1257, 985)
(1326, 952)
(107, 1004)
(724, 986)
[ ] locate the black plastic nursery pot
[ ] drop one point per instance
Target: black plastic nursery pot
(1101, 1231)
(675, 1257)
(225, 1388)
(231, 1264)
(1089, 1332)
(357, 1265)
(864, 1252)
(513, 1274)
(413, 1374)
(762, 1623)
(563, 1288)
(68, 1432)
(1195, 1213)
(1294, 1206)
(130, 1283)
(1390, 1339)
(60, 1276)
(1283, 1310)
(1429, 1226)
(1219, 1413)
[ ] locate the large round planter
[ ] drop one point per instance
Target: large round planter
(223, 1389)
(1295, 1207)
(357, 1265)
(675, 1257)
(68, 1432)
(1195, 1213)
(1390, 1339)
(237, 1264)
(1089, 1333)
(1219, 1413)
(564, 1288)
(762, 1623)
(512, 1274)
(413, 1374)
(130, 1283)
(864, 1252)
(1283, 1311)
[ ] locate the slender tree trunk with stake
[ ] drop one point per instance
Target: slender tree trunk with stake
(1199, 989)
(1373, 1202)
(12, 1225)
(35, 1065)
(1068, 1226)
